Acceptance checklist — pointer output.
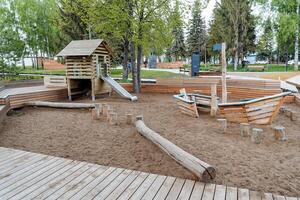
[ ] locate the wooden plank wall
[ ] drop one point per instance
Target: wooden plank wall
(237, 89)
(80, 67)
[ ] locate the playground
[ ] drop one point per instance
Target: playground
(203, 135)
(270, 166)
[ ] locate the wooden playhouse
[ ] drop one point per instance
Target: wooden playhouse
(88, 64)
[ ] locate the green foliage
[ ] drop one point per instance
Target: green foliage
(265, 43)
(197, 33)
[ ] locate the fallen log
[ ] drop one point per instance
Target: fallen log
(202, 170)
(60, 104)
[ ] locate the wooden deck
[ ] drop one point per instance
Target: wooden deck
(26, 175)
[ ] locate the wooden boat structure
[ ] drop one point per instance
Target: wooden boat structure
(191, 103)
(256, 111)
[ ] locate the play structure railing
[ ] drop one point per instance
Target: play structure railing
(256, 111)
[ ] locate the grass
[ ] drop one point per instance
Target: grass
(268, 68)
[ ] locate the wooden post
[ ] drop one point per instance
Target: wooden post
(224, 73)
(279, 133)
(93, 89)
(105, 108)
(222, 125)
(256, 135)
(109, 110)
(245, 129)
(214, 103)
(129, 119)
(113, 118)
(69, 89)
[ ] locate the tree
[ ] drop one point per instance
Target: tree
(288, 14)
(265, 43)
(197, 33)
(234, 24)
(178, 47)
(11, 45)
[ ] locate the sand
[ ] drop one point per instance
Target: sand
(271, 166)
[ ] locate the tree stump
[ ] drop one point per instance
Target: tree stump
(222, 125)
(256, 135)
(113, 118)
(245, 129)
(139, 117)
(96, 112)
(109, 110)
(294, 116)
(128, 119)
(279, 133)
(104, 109)
(288, 113)
(282, 110)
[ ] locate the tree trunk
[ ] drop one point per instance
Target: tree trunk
(133, 68)
(125, 61)
(236, 53)
(139, 63)
(297, 40)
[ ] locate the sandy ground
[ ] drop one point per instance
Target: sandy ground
(271, 166)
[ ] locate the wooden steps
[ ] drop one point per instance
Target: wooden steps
(27, 175)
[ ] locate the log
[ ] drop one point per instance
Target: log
(202, 170)
(60, 104)
(256, 135)
(245, 129)
(128, 119)
(279, 133)
(222, 125)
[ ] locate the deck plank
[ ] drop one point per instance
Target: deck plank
(19, 186)
(154, 188)
(278, 197)
(119, 190)
(186, 190)
(176, 189)
(209, 191)
(267, 196)
(22, 165)
(93, 184)
(73, 183)
(243, 194)
(98, 188)
(32, 187)
(139, 193)
(12, 178)
(53, 187)
(255, 195)
(117, 181)
(51, 184)
(82, 184)
(165, 188)
(220, 193)
(133, 186)
(232, 193)
(197, 191)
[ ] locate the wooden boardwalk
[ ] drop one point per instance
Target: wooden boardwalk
(26, 175)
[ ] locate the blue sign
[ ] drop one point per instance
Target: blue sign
(217, 47)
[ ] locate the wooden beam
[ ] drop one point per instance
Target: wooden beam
(60, 104)
(224, 73)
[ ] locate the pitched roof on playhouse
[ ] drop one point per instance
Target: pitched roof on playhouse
(82, 47)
